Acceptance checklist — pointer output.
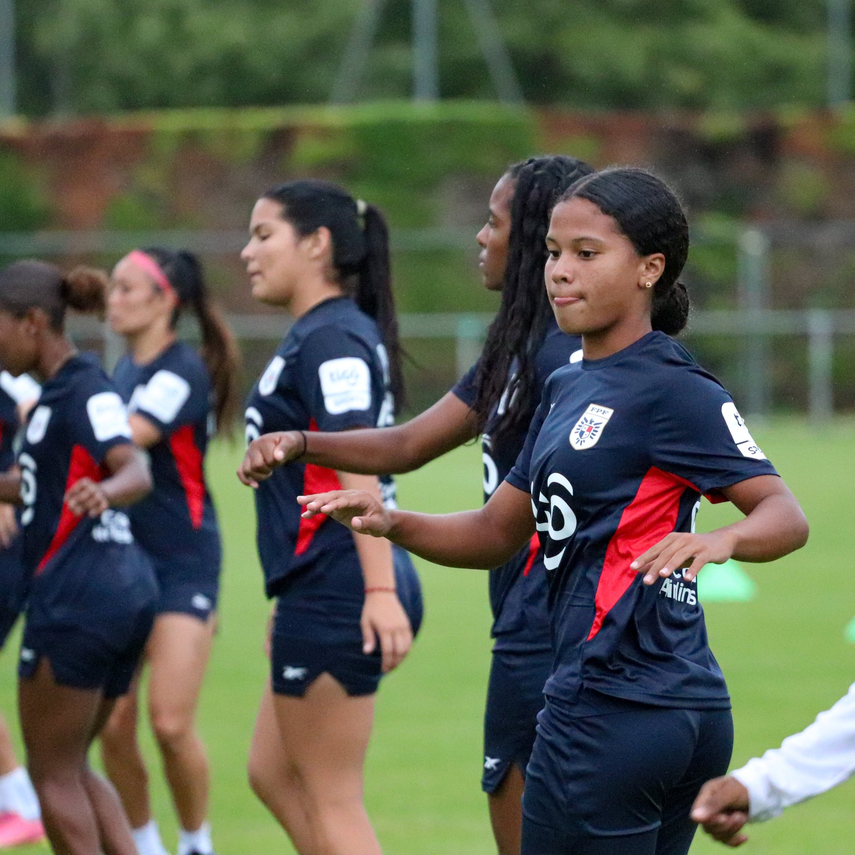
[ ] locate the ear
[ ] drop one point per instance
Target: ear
(36, 321)
(319, 244)
(650, 269)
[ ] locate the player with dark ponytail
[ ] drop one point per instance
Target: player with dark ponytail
(175, 398)
(344, 613)
(496, 398)
(91, 592)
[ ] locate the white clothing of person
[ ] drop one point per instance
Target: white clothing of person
(807, 763)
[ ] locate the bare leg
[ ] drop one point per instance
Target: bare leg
(325, 736)
(275, 780)
(123, 760)
(59, 724)
(178, 653)
(506, 812)
(8, 761)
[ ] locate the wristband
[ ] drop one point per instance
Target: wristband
(377, 589)
(305, 443)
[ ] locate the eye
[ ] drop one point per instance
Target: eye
(587, 254)
(553, 253)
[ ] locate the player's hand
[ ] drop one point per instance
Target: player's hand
(683, 550)
(722, 809)
(356, 509)
(8, 525)
(267, 453)
(87, 497)
(384, 618)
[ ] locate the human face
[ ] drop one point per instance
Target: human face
(495, 236)
(596, 281)
(135, 302)
(274, 256)
(19, 350)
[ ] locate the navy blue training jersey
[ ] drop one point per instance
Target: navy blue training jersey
(78, 419)
(173, 392)
(518, 589)
(330, 373)
(8, 428)
(618, 456)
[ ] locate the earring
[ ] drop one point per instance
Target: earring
(648, 284)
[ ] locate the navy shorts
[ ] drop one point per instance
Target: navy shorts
(189, 582)
(91, 620)
(297, 660)
(621, 780)
(514, 698)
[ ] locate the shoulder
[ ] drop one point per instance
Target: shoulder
(556, 350)
(183, 361)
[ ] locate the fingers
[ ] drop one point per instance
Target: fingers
(385, 622)
(676, 551)
(721, 807)
(263, 456)
(86, 497)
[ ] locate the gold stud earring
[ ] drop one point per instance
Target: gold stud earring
(648, 284)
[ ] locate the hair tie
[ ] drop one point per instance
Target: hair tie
(361, 207)
(146, 263)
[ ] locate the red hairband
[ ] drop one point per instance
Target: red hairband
(150, 266)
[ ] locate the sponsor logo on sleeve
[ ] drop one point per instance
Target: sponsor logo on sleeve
(739, 431)
(108, 416)
(588, 430)
(163, 396)
(38, 425)
(345, 384)
(269, 380)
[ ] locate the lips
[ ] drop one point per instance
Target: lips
(565, 300)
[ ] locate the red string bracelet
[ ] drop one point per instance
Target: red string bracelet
(377, 589)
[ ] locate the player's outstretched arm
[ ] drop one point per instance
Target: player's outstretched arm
(369, 451)
(484, 538)
(128, 482)
(10, 487)
(774, 525)
(722, 809)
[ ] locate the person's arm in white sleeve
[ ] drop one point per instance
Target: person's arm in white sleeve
(807, 763)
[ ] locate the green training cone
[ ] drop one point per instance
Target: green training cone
(725, 583)
(849, 632)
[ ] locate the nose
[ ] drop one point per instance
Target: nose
(560, 270)
(481, 237)
(245, 252)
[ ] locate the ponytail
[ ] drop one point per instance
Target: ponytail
(32, 284)
(219, 349)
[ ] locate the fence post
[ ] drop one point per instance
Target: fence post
(820, 346)
(470, 332)
(753, 288)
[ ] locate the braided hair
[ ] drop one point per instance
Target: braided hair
(523, 318)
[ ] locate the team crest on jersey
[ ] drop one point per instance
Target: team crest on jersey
(589, 428)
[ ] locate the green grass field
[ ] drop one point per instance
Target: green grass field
(784, 655)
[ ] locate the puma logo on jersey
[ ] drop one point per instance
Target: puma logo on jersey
(291, 672)
(677, 589)
(492, 763)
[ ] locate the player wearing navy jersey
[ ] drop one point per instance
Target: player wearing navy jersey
(343, 612)
(524, 345)
(622, 447)
(19, 806)
(91, 591)
(174, 396)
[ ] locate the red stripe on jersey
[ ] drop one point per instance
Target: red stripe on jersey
(533, 548)
(316, 479)
(188, 462)
(650, 516)
(81, 465)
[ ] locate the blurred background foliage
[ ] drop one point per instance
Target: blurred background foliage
(82, 56)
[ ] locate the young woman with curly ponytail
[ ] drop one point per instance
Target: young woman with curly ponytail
(91, 590)
(176, 397)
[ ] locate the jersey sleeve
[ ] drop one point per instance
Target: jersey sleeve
(99, 420)
(465, 388)
(519, 476)
(699, 435)
(337, 377)
(174, 397)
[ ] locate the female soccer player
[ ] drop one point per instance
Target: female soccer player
(92, 592)
(170, 390)
(324, 257)
(622, 448)
(524, 346)
(19, 806)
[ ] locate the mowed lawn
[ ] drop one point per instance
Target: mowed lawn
(784, 654)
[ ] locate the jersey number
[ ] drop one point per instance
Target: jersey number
(28, 487)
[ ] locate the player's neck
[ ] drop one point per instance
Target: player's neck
(55, 352)
(146, 345)
(311, 294)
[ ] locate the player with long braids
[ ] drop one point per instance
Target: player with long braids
(496, 398)
(176, 396)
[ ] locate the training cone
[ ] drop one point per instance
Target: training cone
(725, 583)
(849, 632)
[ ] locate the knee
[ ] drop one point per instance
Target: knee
(121, 726)
(269, 781)
(170, 729)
